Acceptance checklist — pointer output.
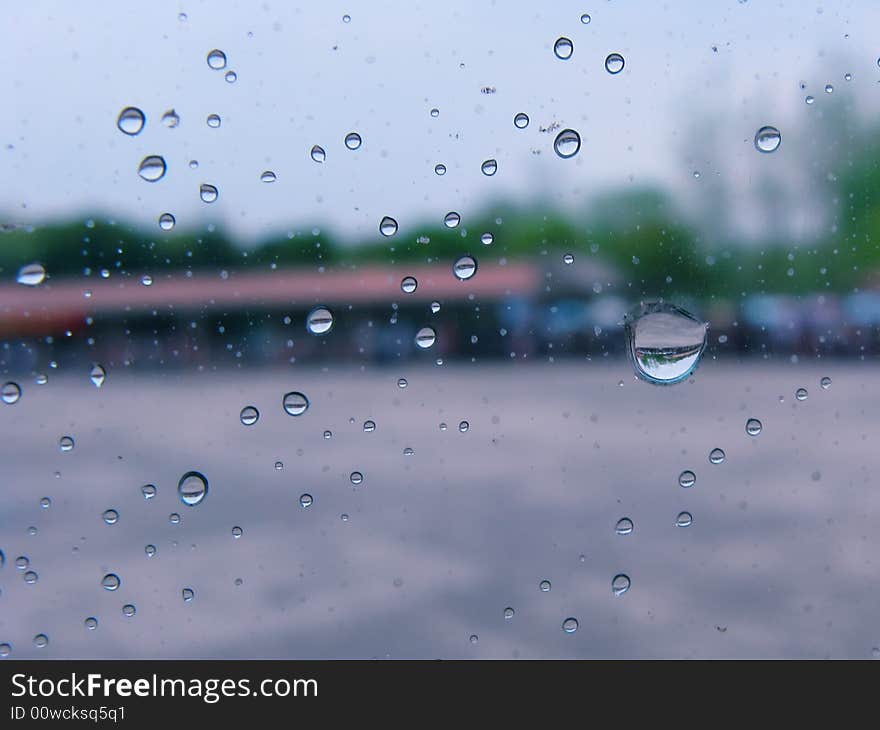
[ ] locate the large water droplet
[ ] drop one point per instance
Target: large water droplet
(31, 274)
(319, 321)
(665, 343)
(152, 168)
(318, 154)
(110, 582)
(451, 219)
(192, 488)
(563, 48)
(10, 393)
(426, 337)
(521, 120)
(131, 121)
(464, 268)
(97, 375)
(216, 59)
(567, 143)
(408, 284)
(489, 167)
(249, 415)
(388, 226)
(295, 403)
(208, 193)
(570, 625)
(753, 427)
(620, 584)
(767, 139)
(353, 140)
(614, 63)
(624, 526)
(687, 479)
(716, 456)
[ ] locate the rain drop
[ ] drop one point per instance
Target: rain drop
(825, 383)
(152, 168)
(753, 427)
(563, 48)
(489, 167)
(249, 415)
(10, 393)
(267, 176)
(31, 274)
(356, 478)
(319, 321)
(544, 585)
(687, 479)
(91, 623)
(451, 219)
(801, 394)
(521, 120)
(148, 491)
(110, 582)
(716, 456)
(567, 143)
(408, 284)
(317, 153)
(353, 140)
(439, 169)
(295, 403)
(426, 337)
(388, 226)
(665, 343)
(570, 625)
(767, 139)
(128, 610)
(487, 238)
(208, 193)
(170, 119)
(216, 59)
(620, 584)
(97, 375)
(131, 121)
(614, 63)
(684, 519)
(305, 501)
(624, 526)
(192, 488)
(110, 517)
(213, 121)
(464, 268)
(187, 594)
(66, 443)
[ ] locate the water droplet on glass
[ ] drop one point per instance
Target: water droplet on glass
(97, 375)
(188, 594)
(208, 193)
(614, 63)
(22, 562)
(231, 77)
(130, 121)
(624, 526)
(465, 267)
(489, 167)
(570, 625)
(213, 121)
(110, 582)
(318, 154)
(356, 478)
(801, 394)
(236, 532)
(439, 169)
(716, 456)
(829, 89)
(401, 383)
(5, 650)
(544, 585)
(65, 443)
(435, 112)
(664, 342)
(809, 100)
(128, 610)
(110, 517)
(267, 176)
(753, 427)
(147, 280)
(10, 393)
(31, 274)
(166, 221)
(249, 415)
(585, 19)
(152, 168)
(170, 119)
(451, 219)
(435, 307)
(216, 59)
(563, 48)
(174, 518)
(295, 403)
(369, 426)
(474, 639)
(30, 577)
(148, 491)
(41, 641)
(521, 120)
(388, 226)
(150, 550)
(319, 321)
(408, 284)
(192, 488)
(825, 383)
(687, 479)
(568, 259)
(620, 584)
(487, 238)
(567, 143)
(508, 613)
(305, 500)
(684, 519)
(352, 140)
(426, 337)
(767, 139)
(464, 426)
(91, 623)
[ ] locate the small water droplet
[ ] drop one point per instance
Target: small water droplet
(236, 532)
(305, 500)
(152, 168)
(801, 394)
(544, 585)
(585, 19)
(388, 226)
(487, 238)
(620, 584)
(167, 221)
(464, 426)
(567, 143)
(401, 383)
(174, 518)
(10, 393)
(716, 456)
(231, 77)
(439, 169)
(684, 519)
(208, 193)
(319, 321)
(192, 488)
(110, 517)
(508, 613)
(41, 641)
(829, 89)
(213, 121)
(665, 343)
(216, 59)
(66, 443)
(295, 403)
(91, 623)
(521, 120)
(171, 119)
(568, 259)
(356, 478)
(426, 337)
(614, 63)
(451, 219)
(129, 610)
(110, 582)
(150, 550)
(570, 625)
(753, 427)
(563, 48)
(408, 284)
(369, 426)
(687, 479)
(435, 307)
(489, 167)
(317, 153)
(825, 383)
(435, 112)
(97, 375)
(187, 594)
(474, 639)
(767, 139)
(148, 491)
(31, 274)
(30, 577)
(464, 268)
(353, 140)
(624, 526)
(5, 650)
(249, 415)
(267, 176)
(809, 100)
(131, 121)
(22, 562)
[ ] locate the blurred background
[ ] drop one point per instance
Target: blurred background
(507, 452)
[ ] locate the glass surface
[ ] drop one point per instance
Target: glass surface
(324, 329)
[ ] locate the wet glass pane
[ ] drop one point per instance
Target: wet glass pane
(465, 329)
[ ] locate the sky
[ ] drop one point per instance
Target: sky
(699, 80)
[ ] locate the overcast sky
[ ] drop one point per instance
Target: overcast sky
(306, 77)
